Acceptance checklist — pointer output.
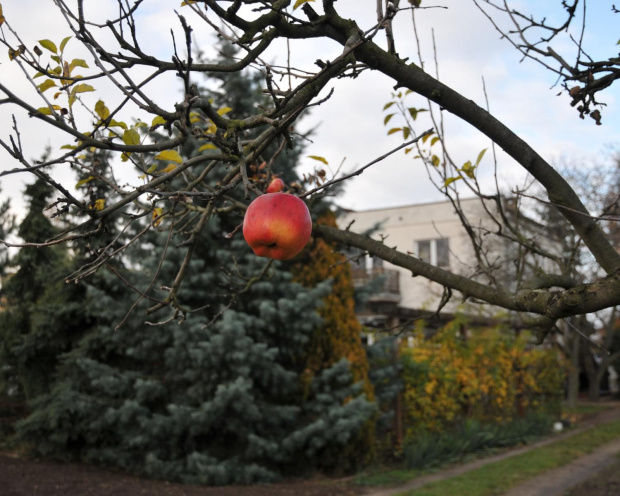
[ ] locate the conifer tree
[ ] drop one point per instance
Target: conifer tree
(42, 313)
(210, 392)
(7, 222)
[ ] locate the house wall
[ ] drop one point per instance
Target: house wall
(405, 226)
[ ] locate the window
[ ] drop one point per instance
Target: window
(434, 251)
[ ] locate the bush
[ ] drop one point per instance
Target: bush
(471, 437)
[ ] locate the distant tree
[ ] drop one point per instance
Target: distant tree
(42, 314)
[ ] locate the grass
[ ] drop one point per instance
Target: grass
(499, 477)
(585, 409)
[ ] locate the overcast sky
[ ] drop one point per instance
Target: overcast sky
(350, 125)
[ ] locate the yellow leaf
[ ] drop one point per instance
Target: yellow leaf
(125, 156)
(102, 111)
(13, 54)
(50, 45)
(131, 137)
(82, 88)
(84, 181)
(78, 63)
(158, 120)
(152, 169)
(320, 159)
(114, 123)
(450, 180)
(157, 213)
(63, 43)
(208, 146)
(99, 204)
(169, 168)
(68, 147)
(224, 110)
(46, 85)
(171, 155)
(300, 2)
(47, 111)
(394, 130)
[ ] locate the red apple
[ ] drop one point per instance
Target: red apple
(277, 225)
(275, 186)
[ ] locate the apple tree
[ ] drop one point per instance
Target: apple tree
(115, 59)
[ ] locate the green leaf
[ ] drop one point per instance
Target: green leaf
(102, 111)
(46, 85)
(320, 159)
(83, 181)
(38, 74)
(68, 147)
(171, 155)
(435, 160)
(388, 105)
(63, 43)
(1, 16)
(406, 132)
(387, 118)
(152, 169)
(426, 137)
(435, 140)
(55, 58)
(480, 155)
(125, 156)
(298, 3)
(49, 45)
(394, 130)
(450, 180)
(131, 137)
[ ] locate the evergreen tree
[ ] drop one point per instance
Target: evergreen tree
(7, 222)
(213, 393)
(42, 314)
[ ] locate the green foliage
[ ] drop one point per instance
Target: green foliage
(433, 449)
(43, 315)
(211, 393)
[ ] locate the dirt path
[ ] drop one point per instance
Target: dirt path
(566, 477)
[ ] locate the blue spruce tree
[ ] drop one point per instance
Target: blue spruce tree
(211, 391)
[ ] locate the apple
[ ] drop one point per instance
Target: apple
(277, 225)
(275, 186)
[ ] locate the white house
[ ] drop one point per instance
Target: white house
(435, 233)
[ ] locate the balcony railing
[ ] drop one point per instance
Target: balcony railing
(389, 287)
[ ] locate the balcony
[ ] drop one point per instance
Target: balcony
(385, 283)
